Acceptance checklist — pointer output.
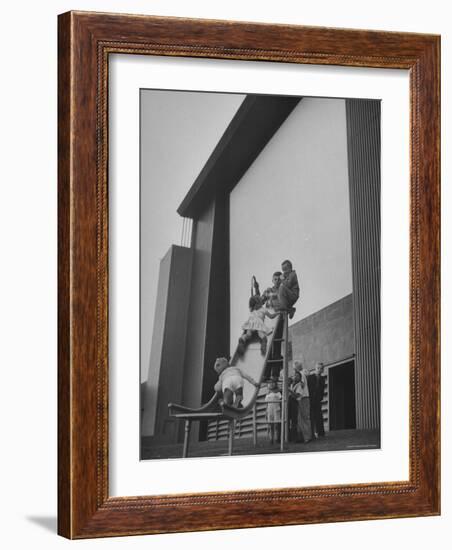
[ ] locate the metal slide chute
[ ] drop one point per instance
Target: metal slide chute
(255, 365)
(212, 405)
(252, 363)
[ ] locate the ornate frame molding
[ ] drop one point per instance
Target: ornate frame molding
(85, 42)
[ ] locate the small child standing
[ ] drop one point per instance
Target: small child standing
(230, 382)
(255, 325)
(273, 400)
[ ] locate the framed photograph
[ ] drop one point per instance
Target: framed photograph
(248, 275)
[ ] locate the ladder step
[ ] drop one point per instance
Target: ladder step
(278, 340)
(275, 360)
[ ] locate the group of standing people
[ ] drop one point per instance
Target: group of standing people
(305, 403)
(306, 390)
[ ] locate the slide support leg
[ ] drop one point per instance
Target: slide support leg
(186, 438)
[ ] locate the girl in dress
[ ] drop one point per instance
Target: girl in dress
(273, 400)
(255, 325)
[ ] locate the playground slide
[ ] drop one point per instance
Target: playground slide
(252, 363)
(211, 406)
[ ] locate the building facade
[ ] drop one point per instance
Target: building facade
(346, 331)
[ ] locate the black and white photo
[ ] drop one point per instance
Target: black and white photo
(259, 274)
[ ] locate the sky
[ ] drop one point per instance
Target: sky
(179, 130)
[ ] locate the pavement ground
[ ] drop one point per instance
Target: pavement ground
(337, 440)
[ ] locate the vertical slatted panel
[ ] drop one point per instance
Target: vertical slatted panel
(363, 143)
(244, 427)
(186, 232)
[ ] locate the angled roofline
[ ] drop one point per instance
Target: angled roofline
(254, 124)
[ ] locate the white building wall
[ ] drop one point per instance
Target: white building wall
(293, 203)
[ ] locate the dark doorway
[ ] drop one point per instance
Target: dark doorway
(341, 383)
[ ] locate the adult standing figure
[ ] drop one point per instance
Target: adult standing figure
(270, 295)
(300, 391)
(316, 384)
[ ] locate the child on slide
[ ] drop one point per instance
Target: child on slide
(289, 289)
(255, 325)
(231, 381)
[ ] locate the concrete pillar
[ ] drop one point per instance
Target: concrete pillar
(208, 321)
(166, 367)
(363, 144)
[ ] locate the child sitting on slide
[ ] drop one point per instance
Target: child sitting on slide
(230, 382)
(289, 289)
(255, 325)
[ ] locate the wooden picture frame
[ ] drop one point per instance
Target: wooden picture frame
(85, 42)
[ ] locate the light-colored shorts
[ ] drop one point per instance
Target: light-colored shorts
(273, 412)
(233, 382)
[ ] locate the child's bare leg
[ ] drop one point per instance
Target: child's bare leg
(228, 396)
(247, 335)
(238, 397)
(263, 338)
(278, 432)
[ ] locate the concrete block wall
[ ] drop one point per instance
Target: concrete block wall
(326, 336)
